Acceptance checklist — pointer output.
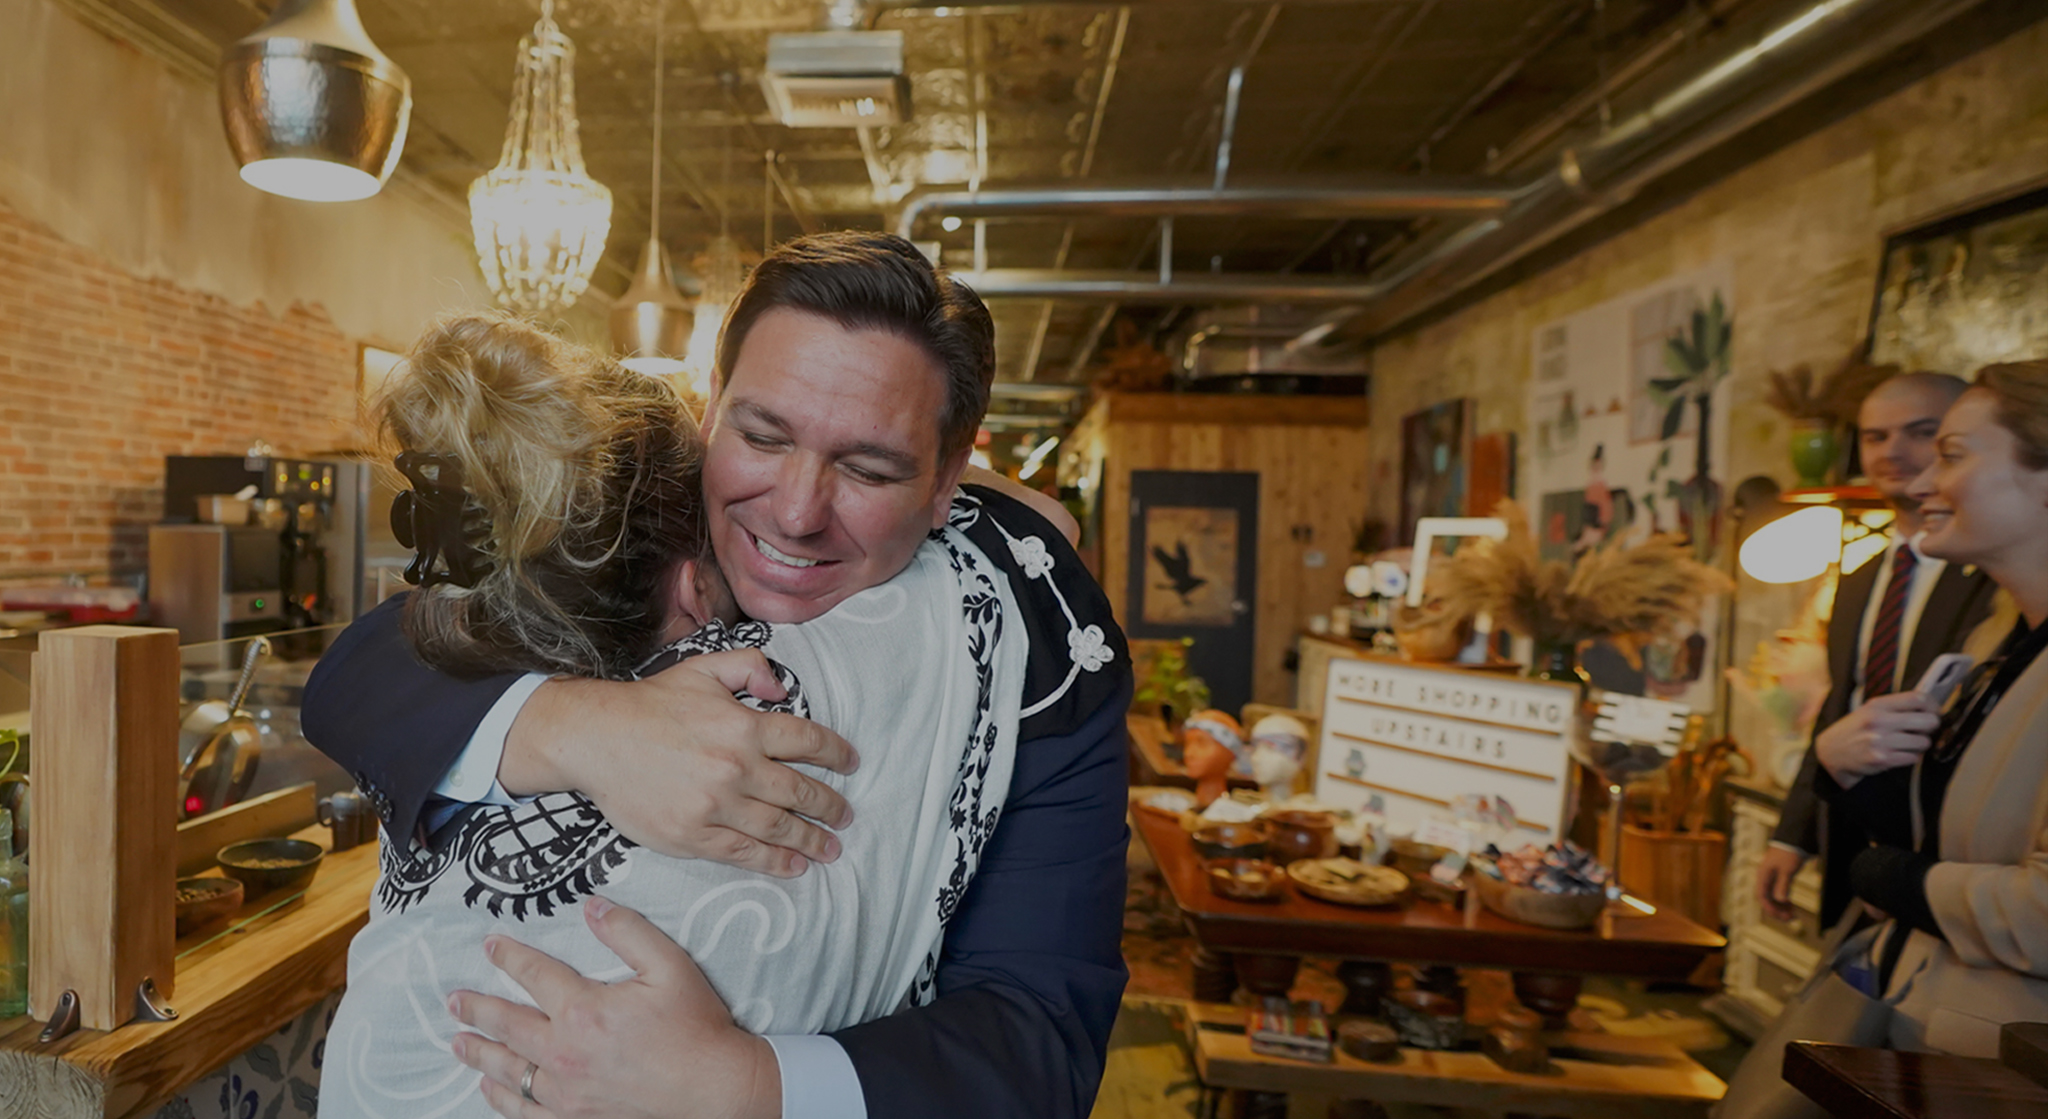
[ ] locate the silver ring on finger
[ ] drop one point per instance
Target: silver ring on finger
(526, 1083)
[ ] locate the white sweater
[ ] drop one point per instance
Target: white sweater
(923, 674)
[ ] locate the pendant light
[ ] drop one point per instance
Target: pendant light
(724, 271)
(538, 217)
(313, 109)
(651, 322)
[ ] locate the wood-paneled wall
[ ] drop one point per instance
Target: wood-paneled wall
(1310, 454)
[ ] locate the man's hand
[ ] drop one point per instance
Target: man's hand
(1774, 874)
(680, 766)
(1885, 733)
(657, 1046)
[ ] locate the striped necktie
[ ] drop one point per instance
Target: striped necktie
(1881, 663)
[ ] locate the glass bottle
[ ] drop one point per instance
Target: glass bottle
(13, 923)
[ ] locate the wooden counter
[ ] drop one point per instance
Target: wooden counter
(236, 983)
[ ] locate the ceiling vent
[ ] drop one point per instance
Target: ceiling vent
(837, 79)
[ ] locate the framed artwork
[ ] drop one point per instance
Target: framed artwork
(1194, 571)
(1493, 473)
(1630, 409)
(1436, 452)
(1966, 291)
(373, 367)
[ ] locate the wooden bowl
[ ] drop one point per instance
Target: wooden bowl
(1534, 907)
(1415, 859)
(1348, 882)
(204, 900)
(1300, 834)
(1230, 841)
(264, 865)
(1246, 880)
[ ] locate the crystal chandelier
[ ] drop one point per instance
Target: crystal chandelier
(539, 219)
(651, 323)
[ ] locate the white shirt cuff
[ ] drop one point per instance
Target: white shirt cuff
(1797, 850)
(473, 779)
(818, 1081)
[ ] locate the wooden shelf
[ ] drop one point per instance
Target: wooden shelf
(1596, 1076)
(231, 989)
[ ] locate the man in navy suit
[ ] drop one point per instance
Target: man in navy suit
(824, 470)
(1936, 606)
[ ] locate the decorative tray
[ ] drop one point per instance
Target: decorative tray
(1348, 881)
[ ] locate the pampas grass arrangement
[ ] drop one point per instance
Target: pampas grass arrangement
(1835, 398)
(1653, 588)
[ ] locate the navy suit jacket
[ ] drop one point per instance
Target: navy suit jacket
(1031, 969)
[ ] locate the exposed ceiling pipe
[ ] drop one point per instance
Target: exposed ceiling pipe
(1800, 52)
(1383, 197)
(889, 5)
(1230, 100)
(1181, 287)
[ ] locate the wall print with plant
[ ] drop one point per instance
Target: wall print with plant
(1697, 358)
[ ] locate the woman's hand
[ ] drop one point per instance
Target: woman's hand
(657, 1046)
(681, 767)
(1885, 733)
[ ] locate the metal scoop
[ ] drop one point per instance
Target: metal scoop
(219, 769)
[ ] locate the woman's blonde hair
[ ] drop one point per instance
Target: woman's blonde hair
(2021, 391)
(588, 480)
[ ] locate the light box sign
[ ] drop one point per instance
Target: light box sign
(1418, 736)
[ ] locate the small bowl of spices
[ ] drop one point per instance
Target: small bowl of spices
(264, 865)
(202, 901)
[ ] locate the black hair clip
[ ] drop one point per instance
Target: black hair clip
(440, 522)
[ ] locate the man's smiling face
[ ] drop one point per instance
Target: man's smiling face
(821, 470)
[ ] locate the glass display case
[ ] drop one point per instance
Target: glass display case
(208, 672)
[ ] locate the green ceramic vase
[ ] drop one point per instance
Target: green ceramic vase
(1815, 448)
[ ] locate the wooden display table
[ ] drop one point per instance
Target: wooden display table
(1664, 946)
(1884, 1084)
(233, 988)
(1597, 1076)
(1258, 945)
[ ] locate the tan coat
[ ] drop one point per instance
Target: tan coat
(1989, 893)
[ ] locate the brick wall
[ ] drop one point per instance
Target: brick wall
(102, 374)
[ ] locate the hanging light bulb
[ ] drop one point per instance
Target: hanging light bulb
(724, 271)
(313, 109)
(651, 322)
(538, 217)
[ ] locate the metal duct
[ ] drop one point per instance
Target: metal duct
(1808, 48)
(1388, 197)
(1183, 287)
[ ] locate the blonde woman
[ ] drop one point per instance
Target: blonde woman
(559, 529)
(1959, 800)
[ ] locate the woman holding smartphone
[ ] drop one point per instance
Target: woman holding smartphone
(1958, 796)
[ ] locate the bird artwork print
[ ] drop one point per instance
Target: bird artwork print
(1179, 570)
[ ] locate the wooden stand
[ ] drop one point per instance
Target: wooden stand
(103, 713)
(1678, 869)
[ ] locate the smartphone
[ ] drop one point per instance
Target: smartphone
(1941, 678)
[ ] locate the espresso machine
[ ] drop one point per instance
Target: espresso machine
(296, 563)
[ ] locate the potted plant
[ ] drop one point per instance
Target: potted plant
(1822, 411)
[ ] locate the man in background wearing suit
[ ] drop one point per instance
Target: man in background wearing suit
(1892, 617)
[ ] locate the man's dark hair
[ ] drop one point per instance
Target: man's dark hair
(879, 281)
